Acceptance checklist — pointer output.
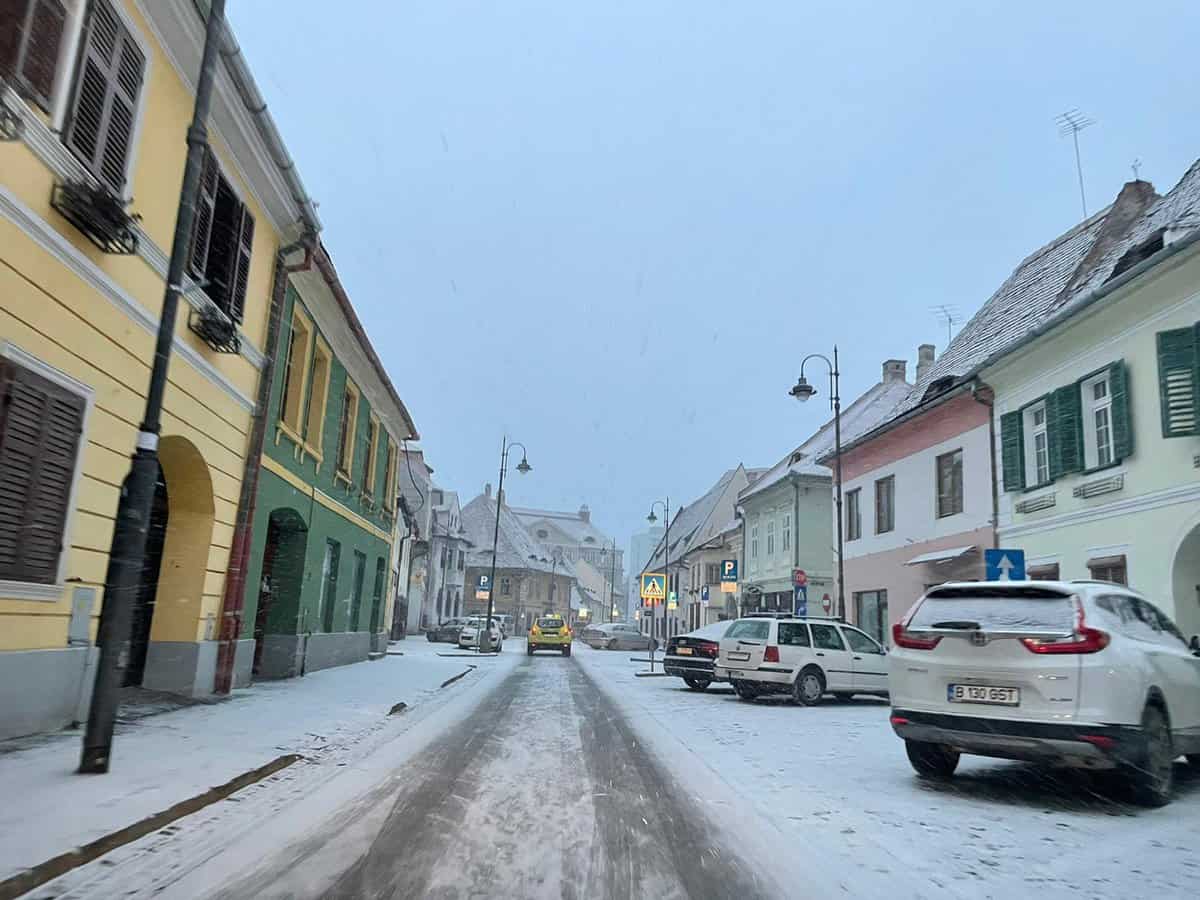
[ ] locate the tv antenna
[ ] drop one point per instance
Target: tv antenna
(947, 314)
(1072, 122)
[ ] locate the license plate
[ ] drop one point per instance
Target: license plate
(739, 656)
(983, 693)
(683, 651)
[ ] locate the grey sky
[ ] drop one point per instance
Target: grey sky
(612, 227)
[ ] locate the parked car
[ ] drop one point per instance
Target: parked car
(468, 637)
(1083, 674)
(446, 632)
(506, 622)
(692, 656)
(618, 636)
(549, 633)
(804, 657)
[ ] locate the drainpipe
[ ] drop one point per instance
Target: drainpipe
(233, 602)
(983, 395)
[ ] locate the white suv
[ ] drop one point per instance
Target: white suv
(1083, 674)
(806, 658)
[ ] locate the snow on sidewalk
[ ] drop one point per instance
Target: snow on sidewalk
(331, 717)
(833, 782)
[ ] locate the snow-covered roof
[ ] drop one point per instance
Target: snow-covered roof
(875, 405)
(686, 527)
(569, 522)
(514, 547)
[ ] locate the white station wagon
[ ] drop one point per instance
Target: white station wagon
(1082, 674)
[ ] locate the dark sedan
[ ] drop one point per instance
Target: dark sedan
(447, 632)
(691, 656)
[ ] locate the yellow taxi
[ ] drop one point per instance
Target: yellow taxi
(550, 633)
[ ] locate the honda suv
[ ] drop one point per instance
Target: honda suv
(803, 657)
(1082, 674)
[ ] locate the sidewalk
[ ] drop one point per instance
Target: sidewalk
(331, 718)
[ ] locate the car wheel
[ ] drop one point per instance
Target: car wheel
(432, 639)
(931, 760)
(611, 645)
(567, 650)
(1193, 760)
(697, 684)
(744, 691)
(1154, 778)
(809, 686)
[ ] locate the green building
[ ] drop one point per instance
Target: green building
(322, 569)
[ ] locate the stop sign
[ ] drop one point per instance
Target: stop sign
(826, 603)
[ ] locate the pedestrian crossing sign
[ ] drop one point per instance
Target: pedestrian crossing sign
(654, 587)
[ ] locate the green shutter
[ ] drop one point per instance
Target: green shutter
(1179, 381)
(1012, 450)
(1064, 431)
(1122, 421)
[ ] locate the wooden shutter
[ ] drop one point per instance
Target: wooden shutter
(241, 266)
(1122, 420)
(202, 225)
(1179, 381)
(1064, 431)
(110, 80)
(40, 427)
(30, 34)
(1012, 451)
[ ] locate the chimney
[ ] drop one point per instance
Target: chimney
(487, 491)
(1124, 213)
(893, 370)
(585, 514)
(924, 360)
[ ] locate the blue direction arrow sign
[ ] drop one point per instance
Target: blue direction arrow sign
(1004, 565)
(800, 600)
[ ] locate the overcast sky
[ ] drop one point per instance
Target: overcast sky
(611, 228)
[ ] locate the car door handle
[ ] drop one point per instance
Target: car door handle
(819, 653)
(858, 657)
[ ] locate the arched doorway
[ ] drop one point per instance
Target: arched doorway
(143, 609)
(282, 578)
(1185, 583)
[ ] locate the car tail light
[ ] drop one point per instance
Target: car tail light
(900, 720)
(909, 641)
(1084, 640)
(1103, 741)
(708, 649)
(771, 653)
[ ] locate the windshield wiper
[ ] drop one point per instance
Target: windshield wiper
(962, 624)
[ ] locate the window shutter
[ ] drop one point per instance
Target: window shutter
(1064, 431)
(241, 267)
(1179, 381)
(1012, 451)
(1122, 419)
(206, 201)
(110, 80)
(30, 34)
(40, 428)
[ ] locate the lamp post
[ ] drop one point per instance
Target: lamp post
(524, 468)
(666, 505)
(612, 577)
(802, 391)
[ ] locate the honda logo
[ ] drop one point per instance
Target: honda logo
(979, 639)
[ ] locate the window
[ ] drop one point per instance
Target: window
(1037, 445)
(770, 537)
(1109, 568)
(41, 424)
(871, 612)
(505, 586)
(826, 637)
(1042, 573)
(861, 643)
(222, 237)
(750, 629)
(111, 66)
(885, 499)
(462, 560)
(1179, 381)
(372, 454)
(787, 531)
(794, 634)
(949, 484)
(853, 515)
(754, 541)
(346, 430)
(295, 372)
(318, 396)
(1097, 425)
(33, 31)
(389, 478)
(329, 579)
(712, 573)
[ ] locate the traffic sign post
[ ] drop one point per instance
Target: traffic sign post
(799, 578)
(654, 587)
(827, 604)
(483, 589)
(800, 600)
(1004, 565)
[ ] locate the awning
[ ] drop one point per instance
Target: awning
(938, 556)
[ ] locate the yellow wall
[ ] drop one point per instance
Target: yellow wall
(52, 313)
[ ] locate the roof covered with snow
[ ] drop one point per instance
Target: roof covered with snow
(570, 523)
(514, 547)
(687, 527)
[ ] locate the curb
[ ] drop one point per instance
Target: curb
(26, 881)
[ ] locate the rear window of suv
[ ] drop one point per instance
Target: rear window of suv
(995, 608)
(550, 624)
(754, 629)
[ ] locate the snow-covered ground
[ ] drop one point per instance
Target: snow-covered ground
(333, 718)
(832, 783)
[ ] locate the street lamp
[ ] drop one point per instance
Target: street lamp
(612, 578)
(802, 391)
(666, 505)
(524, 468)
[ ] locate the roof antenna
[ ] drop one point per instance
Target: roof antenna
(948, 315)
(1072, 122)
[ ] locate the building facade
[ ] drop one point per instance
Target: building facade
(97, 102)
(448, 545)
(706, 601)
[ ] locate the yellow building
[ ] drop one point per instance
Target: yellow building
(96, 101)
